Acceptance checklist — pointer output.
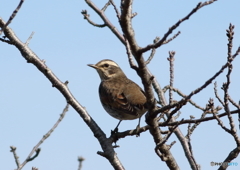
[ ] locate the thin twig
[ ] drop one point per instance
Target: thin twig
(12, 16)
(188, 137)
(16, 158)
(226, 85)
(171, 60)
(151, 56)
(239, 115)
(170, 30)
(189, 132)
(171, 130)
(36, 148)
(233, 102)
(130, 58)
(170, 39)
(191, 151)
(115, 8)
(86, 16)
(221, 123)
(196, 124)
(164, 124)
(177, 115)
(152, 52)
(216, 94)
(183, 95)
(183, 101)
(80, 160)
(30, 37)
(106, 21)
(31, 57)
(236, 53)
(158, 90)
(171, 144)
(6, 41)
(230, 34)
(106, 5)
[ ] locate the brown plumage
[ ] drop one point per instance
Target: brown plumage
(121, 98)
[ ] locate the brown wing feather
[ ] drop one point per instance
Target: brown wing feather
(128, 99)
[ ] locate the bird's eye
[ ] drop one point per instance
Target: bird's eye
(106, 65)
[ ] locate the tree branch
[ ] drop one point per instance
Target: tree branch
(31, 57)
(170, 30)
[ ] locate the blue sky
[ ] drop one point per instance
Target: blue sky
(30, 106)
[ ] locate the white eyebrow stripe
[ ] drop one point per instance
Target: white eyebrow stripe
(108, 62)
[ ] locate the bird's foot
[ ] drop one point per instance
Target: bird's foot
(115, 131)
(114, 135)
(137, 131)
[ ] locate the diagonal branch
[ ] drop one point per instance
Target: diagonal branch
(36, 148)
(106, 21)
(31, 57)
(12, 16)
(171, 29)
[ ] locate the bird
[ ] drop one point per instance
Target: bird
(121, 98)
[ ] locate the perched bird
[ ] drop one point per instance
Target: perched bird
(121, 98)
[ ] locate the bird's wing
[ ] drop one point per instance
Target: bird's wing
(129, 99)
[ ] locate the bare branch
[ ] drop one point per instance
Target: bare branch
(115, 8)
(30, 37)
(233, 102)
(183, 95)
(86, 16)
(106, 5)
(80, 160)
(236, 53)
(171, 144)
(171, 60)
(232, 155)
(126, 25)
(158, 90)
(152, 52)
(12, 16)
(16, 158)
(134, 14)
(133, 132)
(6, 41)
(191, 151)
(177, 115)
(216, 94)
(186, 99)
(36, 148)
(130, 58)
(31, 57)
(170, 39)
(225, 88)
(106, 21)
(188, 137)
(151, 56)
(195, 125)
(170, 30)
(230, 34)
(221, 123)
(171, 130)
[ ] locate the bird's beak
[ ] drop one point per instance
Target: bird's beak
(93, 66)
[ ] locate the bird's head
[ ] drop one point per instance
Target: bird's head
(107, 69)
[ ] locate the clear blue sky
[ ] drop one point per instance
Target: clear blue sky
(30, 106)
